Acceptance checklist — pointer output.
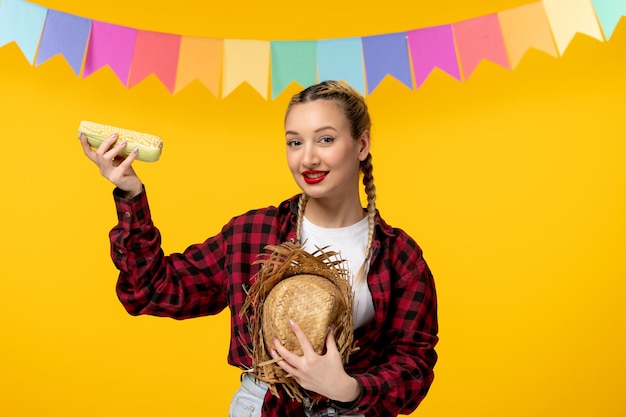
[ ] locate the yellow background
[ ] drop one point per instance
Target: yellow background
(511, 181)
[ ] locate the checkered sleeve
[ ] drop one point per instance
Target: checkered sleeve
(180, 285)
(396, 378)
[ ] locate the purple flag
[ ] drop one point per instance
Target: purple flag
(110, 45)
(65, 34)
(430, 48)
(386, 54)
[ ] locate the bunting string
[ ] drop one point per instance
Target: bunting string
(269, 67)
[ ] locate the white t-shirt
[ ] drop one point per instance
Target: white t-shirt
(350, 243)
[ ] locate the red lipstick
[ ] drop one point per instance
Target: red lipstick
(314, 177)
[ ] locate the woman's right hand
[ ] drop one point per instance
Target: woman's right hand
(113, 167)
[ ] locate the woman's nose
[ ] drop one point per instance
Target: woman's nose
(310, 157)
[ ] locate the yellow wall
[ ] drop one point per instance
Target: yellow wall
(513, 182)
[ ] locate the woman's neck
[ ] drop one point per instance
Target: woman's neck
(328, 213)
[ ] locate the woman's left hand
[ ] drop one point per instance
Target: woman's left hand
(323, 374)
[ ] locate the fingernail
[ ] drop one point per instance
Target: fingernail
(275, 341)
(135, 151)
(123, 142)
(273, 353)
(291, 323)
(114, 135)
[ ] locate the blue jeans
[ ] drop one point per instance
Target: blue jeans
(248, 401)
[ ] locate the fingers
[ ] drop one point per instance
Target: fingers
(283, 352)
(291, 361)
(331, 344)
(126, 163)
(306, 346)
(106, 151)
(90, 153)
(285, 356)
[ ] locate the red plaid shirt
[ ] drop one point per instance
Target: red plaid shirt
(394, 364)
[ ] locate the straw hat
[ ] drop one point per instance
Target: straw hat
(313, 290)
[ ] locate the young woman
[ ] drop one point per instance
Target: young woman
(327, 133)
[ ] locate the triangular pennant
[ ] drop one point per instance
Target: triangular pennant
(524, 27)
(23, 23)
(386, 54)
(110, 45)
(569, 17)
(433, 48)
(341, 59)
(609, 13)
(246, 60)
(293, 61)
(477, 39)
(64, 34)
(155, 53)
(201, 59)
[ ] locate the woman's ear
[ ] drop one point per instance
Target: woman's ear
(364, 145)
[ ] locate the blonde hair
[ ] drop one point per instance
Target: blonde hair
(355, 110)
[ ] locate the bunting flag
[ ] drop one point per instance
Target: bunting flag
(110, 45)
(200, 59)
(22, 23)
(478, 39)
(569, 17)
(526, 27)
(155, 53)
(609, 13)
(341, 59)
(64, 34)
(293, 61)
(432, 48)
(246, 61)
(222, 65)
(386, 54)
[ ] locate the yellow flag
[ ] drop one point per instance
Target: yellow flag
(569, 17)
(246, 60)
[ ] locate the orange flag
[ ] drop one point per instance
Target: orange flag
(525, 27)
(201, 59)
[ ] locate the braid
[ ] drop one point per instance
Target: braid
(370, 191)
(301, 205)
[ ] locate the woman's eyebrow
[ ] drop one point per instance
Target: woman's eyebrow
(291, 132)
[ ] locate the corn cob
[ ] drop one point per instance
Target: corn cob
(149, 146)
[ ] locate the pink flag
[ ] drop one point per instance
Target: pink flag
(478, 39)
(110, 45)
(155, 53)
(433, 48)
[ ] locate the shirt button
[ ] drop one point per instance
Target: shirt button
(127, 214)
(120, 251)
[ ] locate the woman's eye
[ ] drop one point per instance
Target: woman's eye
(326, 139)
(293, 142)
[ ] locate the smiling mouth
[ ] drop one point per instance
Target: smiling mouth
(314, 177)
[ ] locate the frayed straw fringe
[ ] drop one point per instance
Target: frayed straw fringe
(321, 280)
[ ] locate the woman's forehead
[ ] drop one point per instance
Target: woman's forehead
(315, 113)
